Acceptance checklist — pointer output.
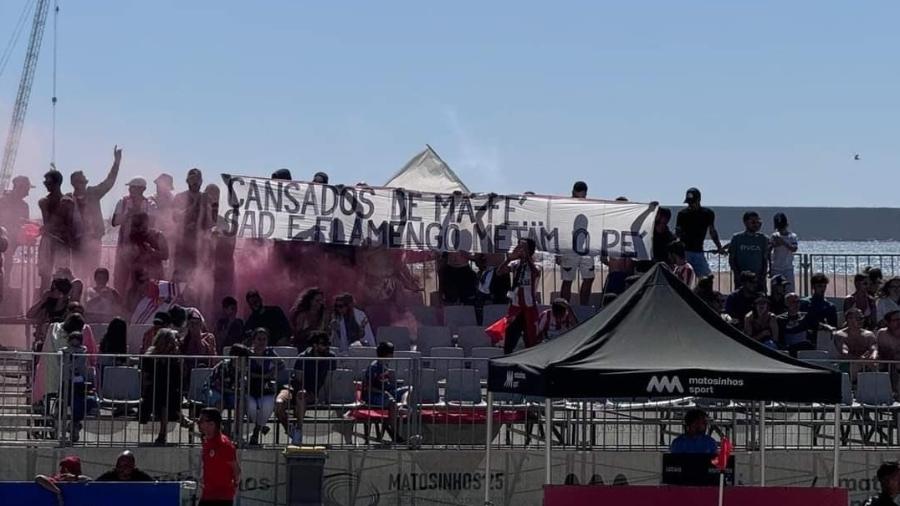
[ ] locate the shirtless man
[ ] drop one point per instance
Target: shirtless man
(60, 234)
(126, 209)
(853, 341)
(194, 220)
(14, 214)
(87, 201)
(888, 342)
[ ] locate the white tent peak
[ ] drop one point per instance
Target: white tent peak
(427, 172)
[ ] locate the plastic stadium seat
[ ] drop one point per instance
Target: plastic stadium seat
(340, 390)
(459, 316)
(462, 386)
(493, 312)
(398, 336)
(431, 337)
(196, 393)
(359, 359)
(480, 357)
(427, 388)
(596, 299)
(424, 315)
(584, 313)
(846, 391)
(403, 368)
(121, 385)
(813, 356)
(472, 337)
(874, 388)
(442, 359)
(825, 342)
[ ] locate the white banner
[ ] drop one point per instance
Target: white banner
(358, 215)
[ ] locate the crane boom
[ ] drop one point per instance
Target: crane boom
(24, 93)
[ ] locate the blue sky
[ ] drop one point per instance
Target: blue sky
(756, 103)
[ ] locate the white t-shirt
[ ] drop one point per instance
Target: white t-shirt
(782, 257)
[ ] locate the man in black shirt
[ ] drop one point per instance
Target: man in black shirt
(691, 226)
(889, 478)
(310, 373)
(271, 318)
(125, 470)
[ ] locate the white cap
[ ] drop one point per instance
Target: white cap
(138, 181)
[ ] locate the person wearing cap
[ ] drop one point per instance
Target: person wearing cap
(193, 219)
(125, 470)
(691, 227)
(126, 209)
(889, 478)
(61, 231)
(571, 263)
(87, 201)
(13, 215)
(782, 245)
(69, 472)
(320, 178)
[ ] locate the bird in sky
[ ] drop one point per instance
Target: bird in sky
(856, 157)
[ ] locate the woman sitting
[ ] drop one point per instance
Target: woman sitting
(760, 324)
(307, 315)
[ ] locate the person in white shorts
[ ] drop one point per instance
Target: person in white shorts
(582, 264)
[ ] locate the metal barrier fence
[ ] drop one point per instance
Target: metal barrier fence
(356, 401)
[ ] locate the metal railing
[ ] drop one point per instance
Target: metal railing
(407, 401)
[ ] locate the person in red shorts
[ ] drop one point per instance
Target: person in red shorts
(221, 471)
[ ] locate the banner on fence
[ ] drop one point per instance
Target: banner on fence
(262, 208)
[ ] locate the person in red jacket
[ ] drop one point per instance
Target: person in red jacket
(221, 471)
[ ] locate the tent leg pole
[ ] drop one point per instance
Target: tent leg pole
(762, 443)
(489, 423)
(548, 437)
(837, 443)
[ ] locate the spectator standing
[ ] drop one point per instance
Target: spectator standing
(87, 203)
(193, 217)
(61, 232)
(145, 250)
(749, 251)
(492, 287)
(571, 263)
(307, 316)
(221, 471)
(126, 209)
(556, 320)
(680, 266)
(876, 276)
(522, 315)
(760, 324)
(742, 301)
(264, 367)
(229, 328)
(794, 326)
(350, 325)
(853, 341)
(691, 227)
(888, 299)
(816, 305)
(457, 279)
(161, 384)
(662, 236)
(782, 245)
(14, 215)
(126, 470)
(222, 245)
(161, 320)
(163, 204)
(860, 299)
(271, 318)
(75, 377)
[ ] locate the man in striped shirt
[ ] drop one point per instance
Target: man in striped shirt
(522, 315)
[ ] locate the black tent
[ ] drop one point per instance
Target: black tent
(660, 340)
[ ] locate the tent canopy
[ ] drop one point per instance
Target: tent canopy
(658, 339)
(426, 172)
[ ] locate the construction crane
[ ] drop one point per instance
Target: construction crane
(24, 93)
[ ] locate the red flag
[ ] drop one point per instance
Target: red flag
(721, 459)
(497, 330)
